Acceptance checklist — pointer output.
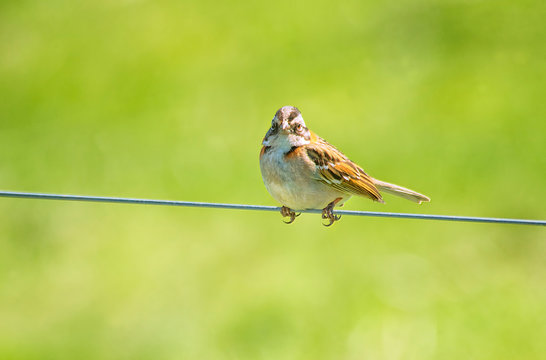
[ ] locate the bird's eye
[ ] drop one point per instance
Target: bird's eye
(299, 128)
(274, 126)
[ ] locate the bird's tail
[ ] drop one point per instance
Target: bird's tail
(400, 191)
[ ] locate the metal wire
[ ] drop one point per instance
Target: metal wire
(15, 194)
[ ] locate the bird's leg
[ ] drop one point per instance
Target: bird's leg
(287, 212)
(328, 212)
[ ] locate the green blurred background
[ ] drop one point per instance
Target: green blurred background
(170, 100)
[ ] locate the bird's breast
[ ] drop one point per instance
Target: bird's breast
(290, 178)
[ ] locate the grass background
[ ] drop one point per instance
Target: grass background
(170, 99)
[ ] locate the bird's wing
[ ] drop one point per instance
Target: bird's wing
(336, 170)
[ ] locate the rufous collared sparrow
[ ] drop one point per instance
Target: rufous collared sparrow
(302, 171)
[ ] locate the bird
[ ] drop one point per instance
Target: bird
(302, 171)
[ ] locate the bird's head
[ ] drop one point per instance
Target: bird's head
(287, 129)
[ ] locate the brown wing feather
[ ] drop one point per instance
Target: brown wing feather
(337, 171)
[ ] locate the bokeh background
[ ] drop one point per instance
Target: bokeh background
(170, 99)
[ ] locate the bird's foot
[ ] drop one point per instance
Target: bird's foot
(328, 212)
(287, 212)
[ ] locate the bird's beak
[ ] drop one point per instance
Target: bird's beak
(285, 125)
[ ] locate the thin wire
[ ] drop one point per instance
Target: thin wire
(15, 194)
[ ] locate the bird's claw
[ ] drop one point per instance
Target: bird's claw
(328, 213)
(287, 212)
